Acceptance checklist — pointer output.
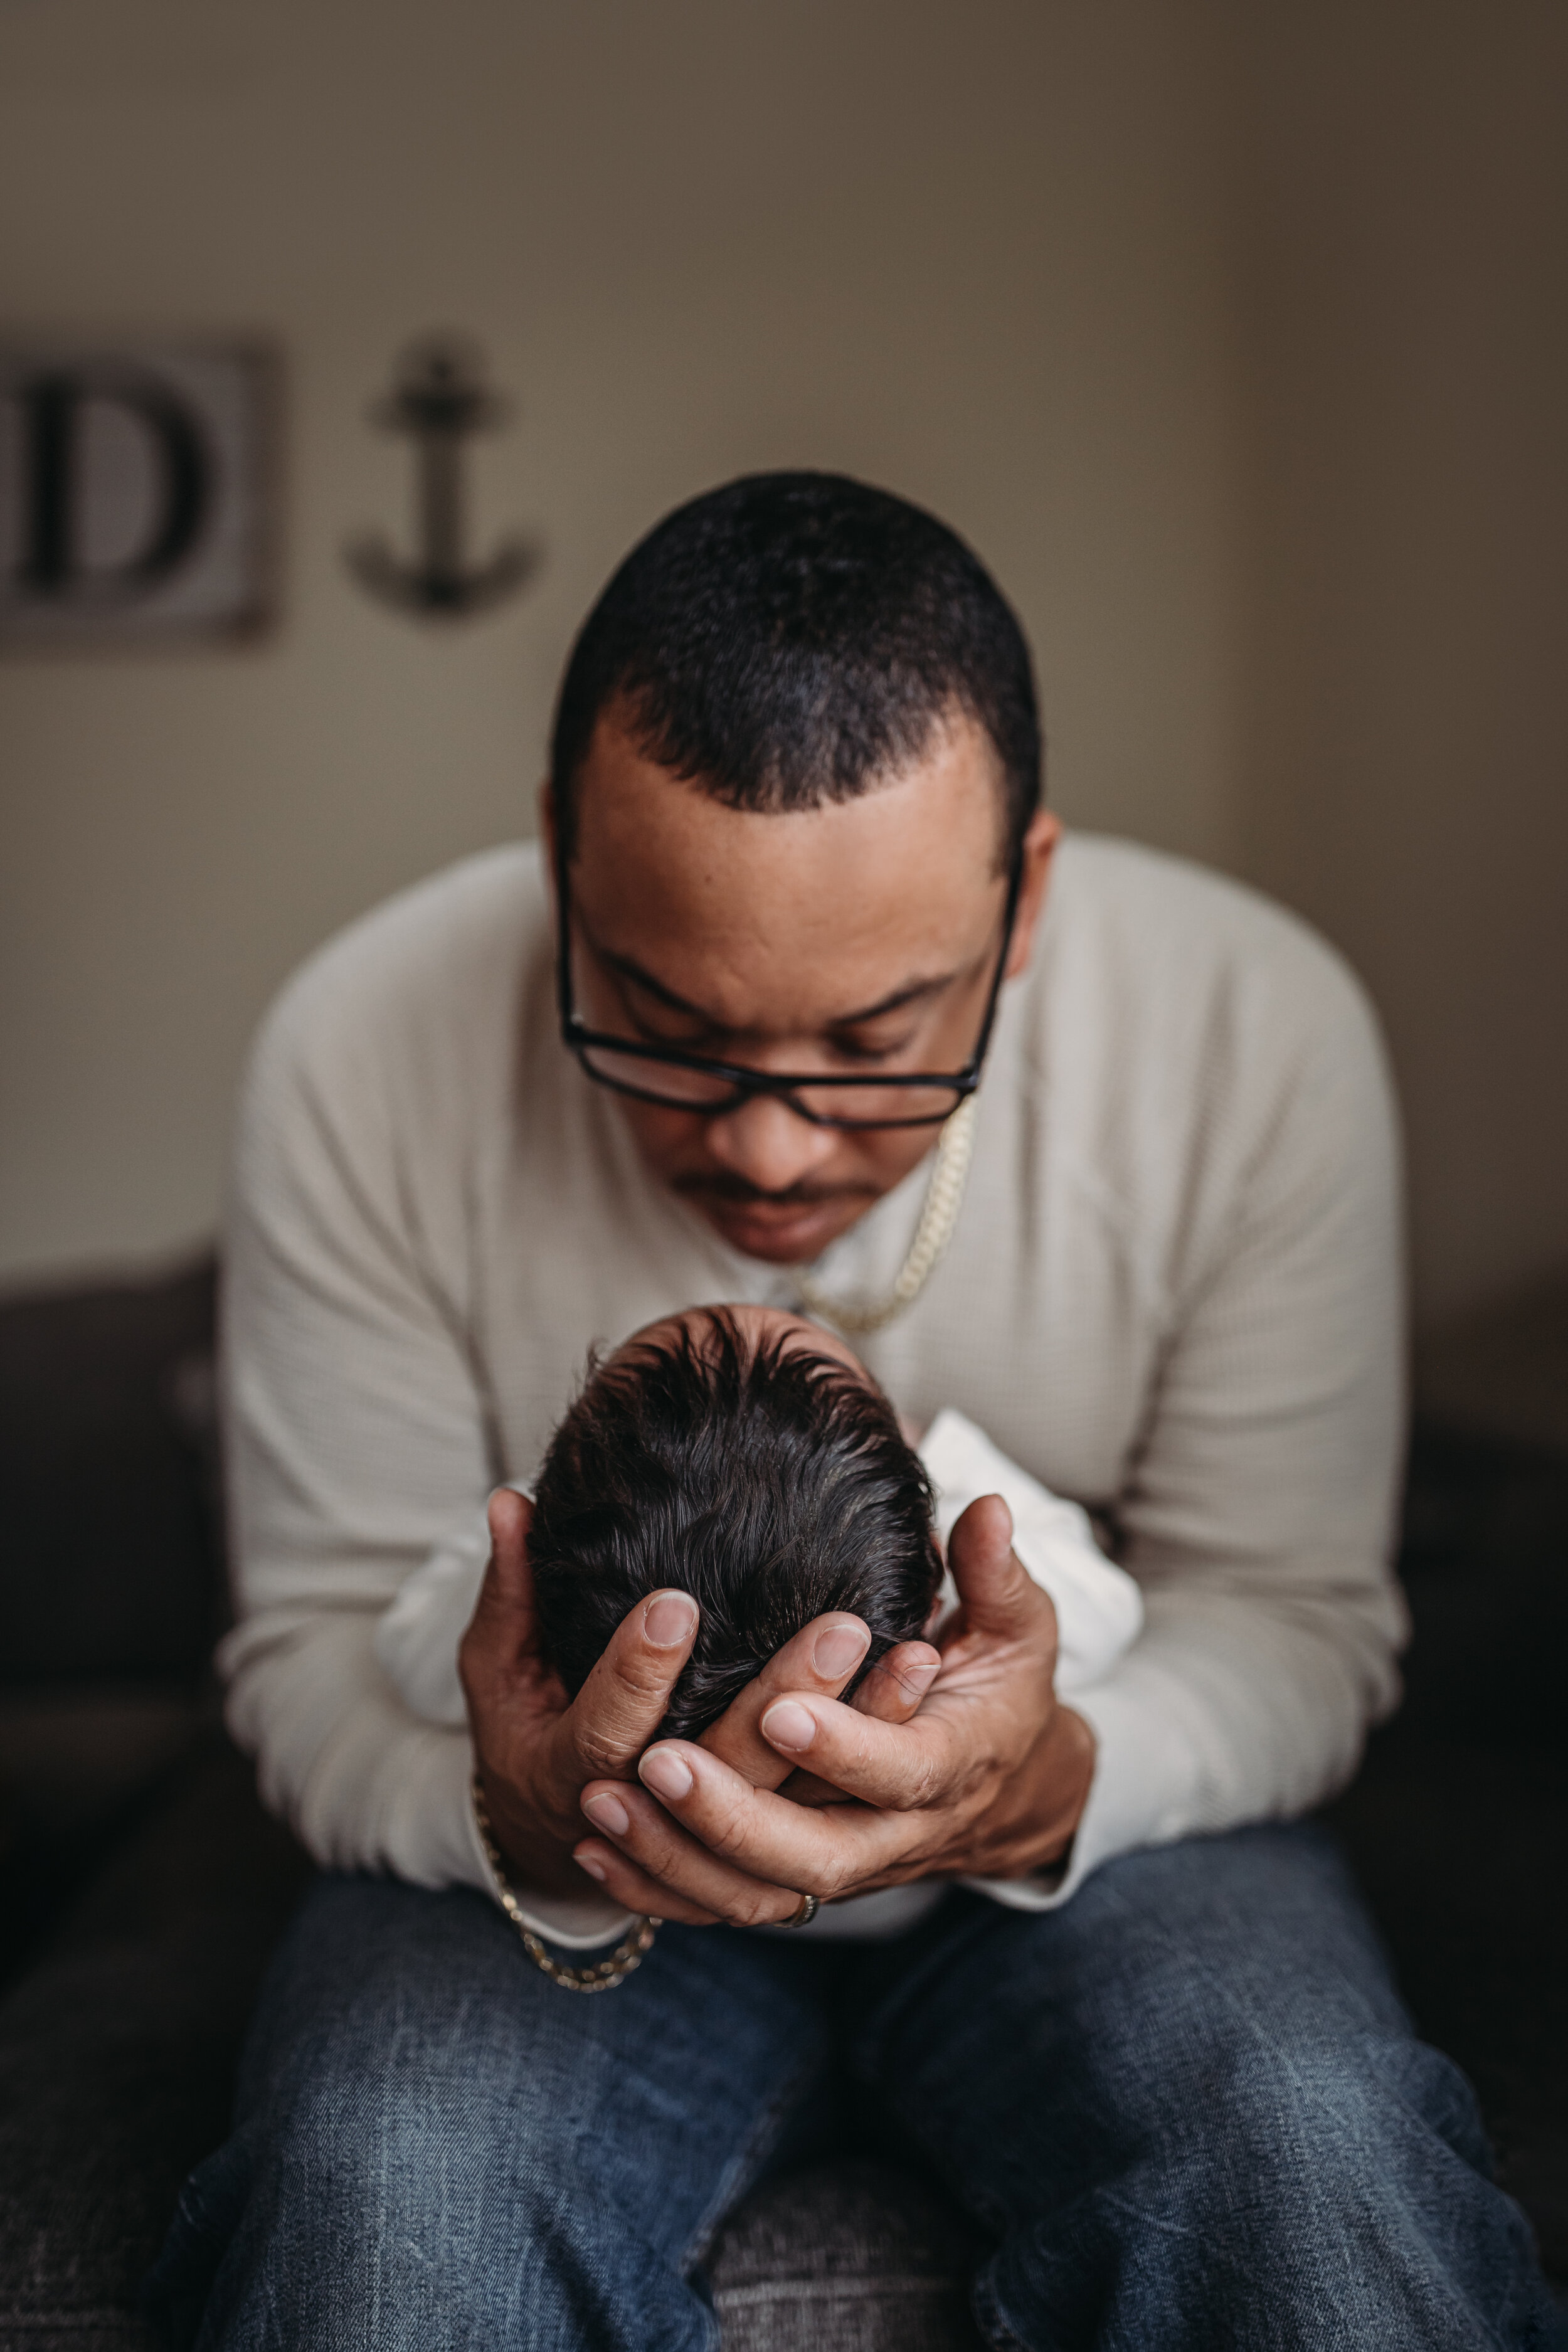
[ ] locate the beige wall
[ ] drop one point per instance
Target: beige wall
(1408, 733)
(1233, 338)
(978, 254)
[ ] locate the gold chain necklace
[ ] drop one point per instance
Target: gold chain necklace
(944, 1198)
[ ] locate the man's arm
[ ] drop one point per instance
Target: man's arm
(356, 1442)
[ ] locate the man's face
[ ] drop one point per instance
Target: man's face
(851, 937)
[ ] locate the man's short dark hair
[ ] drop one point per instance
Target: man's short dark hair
(768, 1482)
(791, 638)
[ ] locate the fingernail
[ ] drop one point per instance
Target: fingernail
(665, 1772)
(790, 1726)
(607, 1812)
(668, 1619)
(593, 1865)
(918, 1680)
(839, 1651)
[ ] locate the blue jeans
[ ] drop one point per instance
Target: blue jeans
(1188, 2109)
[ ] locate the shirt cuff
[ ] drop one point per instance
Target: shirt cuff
(1141, 1794)
(577, 1923)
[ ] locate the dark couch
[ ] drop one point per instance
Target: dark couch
(141, 1886)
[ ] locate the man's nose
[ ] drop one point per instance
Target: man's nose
(769, 1144)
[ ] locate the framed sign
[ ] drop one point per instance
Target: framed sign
(136, 485)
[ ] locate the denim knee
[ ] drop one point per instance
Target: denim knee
(396, 2215)
(436, 2150)
(386, 2159)
(1304, 2192)
(1350, 2173)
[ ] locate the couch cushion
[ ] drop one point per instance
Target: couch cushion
(109, 1568)
(1457, 1823)
(117, 2054)
(851, 2255)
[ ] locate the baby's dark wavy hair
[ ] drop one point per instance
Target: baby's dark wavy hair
(767, 1482)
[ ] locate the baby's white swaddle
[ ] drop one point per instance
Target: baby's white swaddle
(1100, 1610)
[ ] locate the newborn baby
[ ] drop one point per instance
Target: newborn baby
(761, 1473)
(748, 1456)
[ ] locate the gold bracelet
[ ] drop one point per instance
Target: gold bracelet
(605, 1975)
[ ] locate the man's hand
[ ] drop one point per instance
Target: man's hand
(988, 1779)
(537, 1751)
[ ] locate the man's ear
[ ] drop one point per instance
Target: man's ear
(1039, 848)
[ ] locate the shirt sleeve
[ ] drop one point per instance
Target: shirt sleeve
(357, 1440)
(1259, 1510)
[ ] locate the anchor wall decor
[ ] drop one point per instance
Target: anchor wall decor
(439, 396)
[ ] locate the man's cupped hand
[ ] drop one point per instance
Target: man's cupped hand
(950, 1761)
(539, 1753)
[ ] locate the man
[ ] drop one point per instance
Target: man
(799, 893)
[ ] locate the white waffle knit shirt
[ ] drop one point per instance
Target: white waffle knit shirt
(1173, 1296)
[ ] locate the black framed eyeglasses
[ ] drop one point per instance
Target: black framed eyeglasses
(676, 1080)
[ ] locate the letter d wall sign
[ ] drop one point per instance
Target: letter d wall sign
(136, 481)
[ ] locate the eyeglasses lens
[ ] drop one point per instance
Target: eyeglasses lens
(846, 1106)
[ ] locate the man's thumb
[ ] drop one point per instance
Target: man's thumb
(504, 1617)
(993, 1583)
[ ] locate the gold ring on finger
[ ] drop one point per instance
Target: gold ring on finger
(805, 1912)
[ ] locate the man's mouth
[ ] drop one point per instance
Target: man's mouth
(786, 1226)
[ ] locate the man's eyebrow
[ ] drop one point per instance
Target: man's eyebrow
(913, 992)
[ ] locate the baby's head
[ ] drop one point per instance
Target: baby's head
(747, 1457)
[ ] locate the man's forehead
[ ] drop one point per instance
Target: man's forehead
(659, 847)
